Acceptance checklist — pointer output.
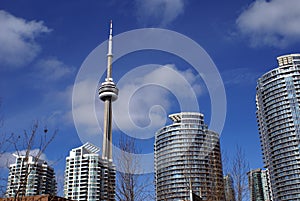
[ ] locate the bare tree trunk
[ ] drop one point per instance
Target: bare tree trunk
(23, 146)
(240, 167)
(3, 148)
(3, 141)
(131, 185)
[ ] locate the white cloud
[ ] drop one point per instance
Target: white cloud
(53, 69)
(240, 77)
(161, 12)
(83, 110)
(146, 95)
(143, 104)
(274, 23)
(8, 158)
(18, 39)
(145, 98)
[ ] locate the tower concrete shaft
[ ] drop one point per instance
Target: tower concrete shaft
(108, 93)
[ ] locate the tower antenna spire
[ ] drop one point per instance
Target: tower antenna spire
(109, 54)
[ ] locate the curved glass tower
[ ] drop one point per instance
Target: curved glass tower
(278, 116)
(188, 160)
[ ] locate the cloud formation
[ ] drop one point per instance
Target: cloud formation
(18, 40)
(53, 69)
(82, 104)
(159, 12)
(8, 158)
(240, 77)
(146, 97)
(273, 23)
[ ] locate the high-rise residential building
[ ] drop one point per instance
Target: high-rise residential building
(259, 185)
(278, 116)
(29, 176)
(188, 160)
(229, 188)
(87, 175)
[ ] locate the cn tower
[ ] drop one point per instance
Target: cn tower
(108, 92)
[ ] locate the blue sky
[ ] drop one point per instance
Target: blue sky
(43, 45)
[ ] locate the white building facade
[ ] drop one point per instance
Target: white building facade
(87, 176)
(30, 176)
(278, 116)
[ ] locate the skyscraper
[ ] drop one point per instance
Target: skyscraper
(278, 116)
(86, 175)
(229, 188)
(30, 176)
(108, 92)
(259, 185)
(188, 160)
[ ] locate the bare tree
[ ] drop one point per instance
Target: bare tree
(3, 148)
(2, 179)
(2, 135)
(23, 146)
(4, 145)
(131, 183)
(240, 167)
